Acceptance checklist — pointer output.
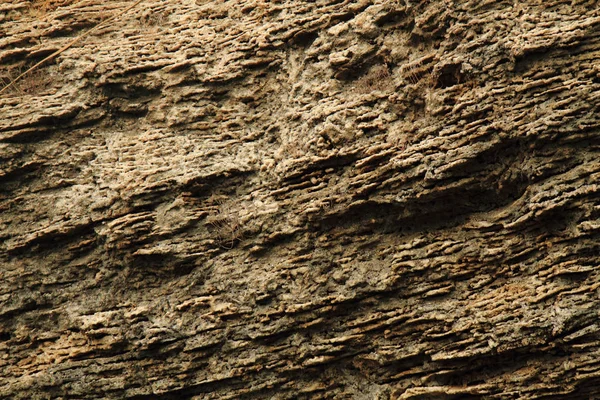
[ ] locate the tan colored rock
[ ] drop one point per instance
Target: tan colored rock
(253, 199)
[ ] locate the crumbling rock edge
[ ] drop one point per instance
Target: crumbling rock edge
(393, 200)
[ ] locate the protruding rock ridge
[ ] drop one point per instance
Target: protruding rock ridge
(356, 199)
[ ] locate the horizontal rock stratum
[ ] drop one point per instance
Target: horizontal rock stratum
(287, 200)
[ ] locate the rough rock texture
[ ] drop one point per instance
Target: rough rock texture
(283, 199)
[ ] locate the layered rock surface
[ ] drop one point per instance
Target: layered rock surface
(330, 199)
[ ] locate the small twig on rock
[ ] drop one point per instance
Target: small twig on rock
(68, 45)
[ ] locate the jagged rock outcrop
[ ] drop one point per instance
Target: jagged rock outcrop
(332, 199)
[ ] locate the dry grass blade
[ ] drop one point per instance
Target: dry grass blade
(68, 45)
(225, 223)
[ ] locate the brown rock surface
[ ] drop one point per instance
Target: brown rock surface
(283, 199)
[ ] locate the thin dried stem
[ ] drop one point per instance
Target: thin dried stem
(68, 45)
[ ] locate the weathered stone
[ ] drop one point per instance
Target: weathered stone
(356, 199)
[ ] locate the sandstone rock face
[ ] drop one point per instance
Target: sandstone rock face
(283, 199)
